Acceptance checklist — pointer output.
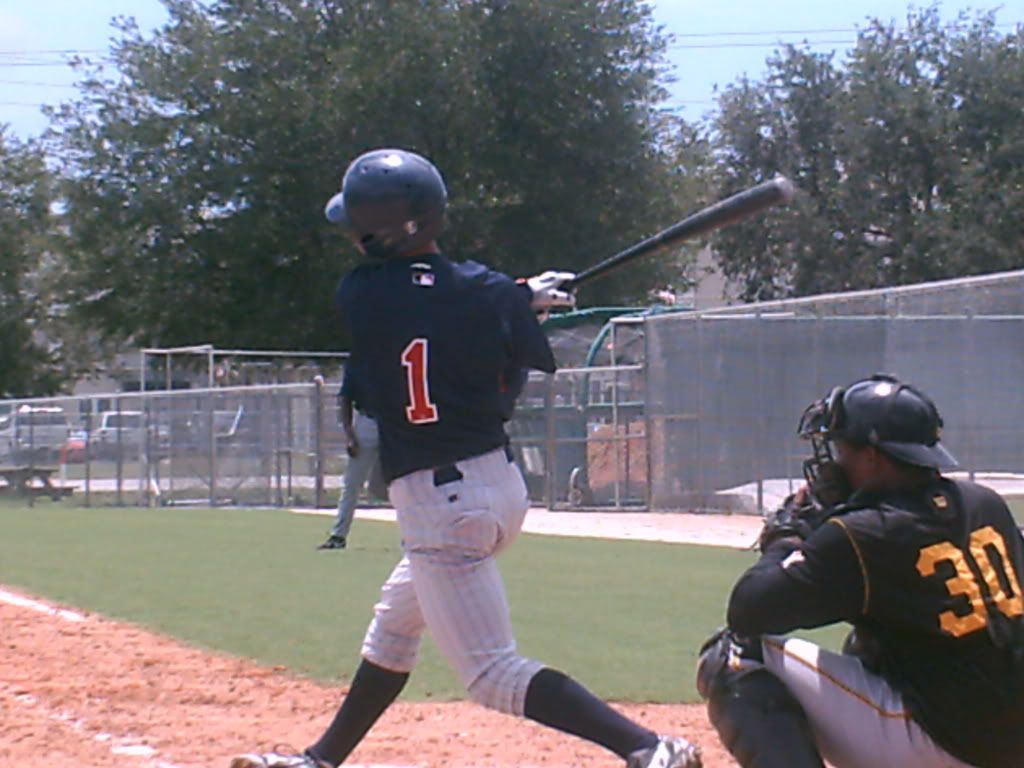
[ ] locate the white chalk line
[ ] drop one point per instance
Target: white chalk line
(122, 745)
(126, 746)
(40, 607)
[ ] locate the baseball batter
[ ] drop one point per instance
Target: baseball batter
(440, 351)
(928, 571)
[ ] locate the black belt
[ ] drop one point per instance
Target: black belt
(450, 473)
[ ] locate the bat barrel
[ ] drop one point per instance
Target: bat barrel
(740, 206)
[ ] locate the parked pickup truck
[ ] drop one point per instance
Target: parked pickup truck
(31, 432)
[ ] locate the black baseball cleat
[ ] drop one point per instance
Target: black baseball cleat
(334, 542)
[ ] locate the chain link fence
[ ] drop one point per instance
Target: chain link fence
(725, 388)
(271, 445)
(579, 437)
(682, 411)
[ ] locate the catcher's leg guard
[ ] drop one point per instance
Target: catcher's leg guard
(758, 720)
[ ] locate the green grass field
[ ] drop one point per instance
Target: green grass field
(624, 617)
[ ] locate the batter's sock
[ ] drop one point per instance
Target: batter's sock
(372, 691)
(558, 701)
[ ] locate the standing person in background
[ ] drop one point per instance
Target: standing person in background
(361, 444)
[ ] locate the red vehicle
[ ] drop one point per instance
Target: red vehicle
(73, 450)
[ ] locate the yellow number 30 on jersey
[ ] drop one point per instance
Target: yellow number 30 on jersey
(1000, 582)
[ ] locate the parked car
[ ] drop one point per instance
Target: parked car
(32, 432)
(74, 451)
(125, 431)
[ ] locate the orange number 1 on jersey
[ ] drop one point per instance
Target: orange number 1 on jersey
(414, 357)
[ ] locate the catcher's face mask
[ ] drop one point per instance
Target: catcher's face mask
(820, 422)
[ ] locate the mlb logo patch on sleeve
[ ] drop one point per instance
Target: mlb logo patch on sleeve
(421, 275)
(423, 278)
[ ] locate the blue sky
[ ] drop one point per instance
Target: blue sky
(714, 44)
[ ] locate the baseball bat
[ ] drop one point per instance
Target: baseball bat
(740, 206)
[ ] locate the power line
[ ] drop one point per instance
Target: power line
(37, 84)
(775, 44)
(47, 64)
(37, 51)
(752, 33)
(49, 58)
(31, 56)
(832, 31)
(12, 64)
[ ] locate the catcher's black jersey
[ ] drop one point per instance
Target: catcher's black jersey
(933, 581)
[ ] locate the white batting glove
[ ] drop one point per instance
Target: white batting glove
(546, 293)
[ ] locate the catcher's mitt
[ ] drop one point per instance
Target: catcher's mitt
(799, 515)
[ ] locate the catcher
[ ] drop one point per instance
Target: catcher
(928, 570)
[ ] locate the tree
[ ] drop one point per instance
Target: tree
(196, 178)
(985, 85)
(786, 125)
(907, 159)
(28, 363)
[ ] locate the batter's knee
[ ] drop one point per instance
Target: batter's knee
(502, 685)
(758, 720)
(390, 650)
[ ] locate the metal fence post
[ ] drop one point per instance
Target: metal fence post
(211, 420)
(267, 442)
(616, 442)
(549, 440)
(759, 452)
(318, 426)
(290, 435)
(31, 458)
(88, 455)
(971, 411)
(698, 432)
(616, 449)
(171, 431)
(120, 455)
(648, 441)
(142, 452)
(151, 456)
(278, 450)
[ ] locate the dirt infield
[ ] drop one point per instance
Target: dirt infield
(86, 691)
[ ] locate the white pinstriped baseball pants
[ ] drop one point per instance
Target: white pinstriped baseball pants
(858, 719)
(448, 580)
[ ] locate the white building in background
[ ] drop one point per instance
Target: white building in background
(711, 289)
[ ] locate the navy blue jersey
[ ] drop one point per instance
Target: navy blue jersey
(439, 353)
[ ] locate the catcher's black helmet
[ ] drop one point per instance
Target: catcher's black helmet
(391, 202)
(898, 419)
